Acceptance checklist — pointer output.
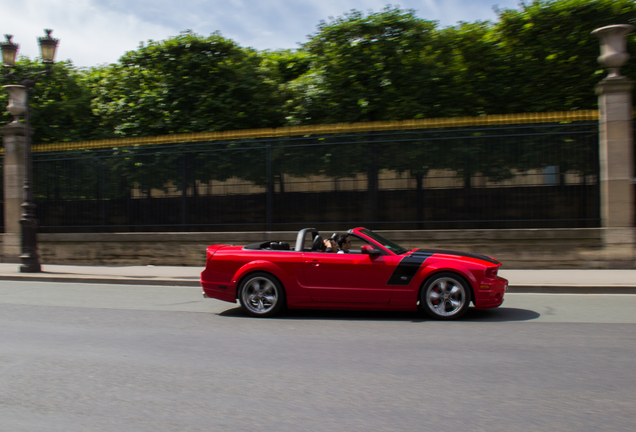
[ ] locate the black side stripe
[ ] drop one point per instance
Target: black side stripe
(458, 253)
(407, 268)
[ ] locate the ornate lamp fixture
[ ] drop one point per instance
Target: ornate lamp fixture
(18, 106)
(48, 46)
(9, 51)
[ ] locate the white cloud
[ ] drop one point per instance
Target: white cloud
(88, 33)
(93, 32)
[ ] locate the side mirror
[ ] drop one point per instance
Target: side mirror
(368, 250)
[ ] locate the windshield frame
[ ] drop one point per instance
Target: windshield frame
(384, 242)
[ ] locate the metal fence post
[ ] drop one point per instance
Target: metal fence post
(102, 187)
(184, 193)
(269, 199)
(372, 183)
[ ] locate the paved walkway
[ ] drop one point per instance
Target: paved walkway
(130, 275)
(557, 281)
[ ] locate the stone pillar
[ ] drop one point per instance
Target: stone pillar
(616, 147)
(616, 144)
(13, 169)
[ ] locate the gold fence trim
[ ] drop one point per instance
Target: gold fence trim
(430, 123)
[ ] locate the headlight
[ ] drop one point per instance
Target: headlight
(491, 272)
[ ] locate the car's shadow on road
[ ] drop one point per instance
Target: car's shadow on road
(472, 315)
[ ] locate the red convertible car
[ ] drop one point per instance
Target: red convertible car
(375, 274)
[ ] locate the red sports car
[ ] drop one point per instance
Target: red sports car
(374, 274)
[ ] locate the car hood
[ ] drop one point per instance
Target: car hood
(456, 254)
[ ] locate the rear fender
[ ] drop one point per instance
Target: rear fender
(210, 250)
(260, 265)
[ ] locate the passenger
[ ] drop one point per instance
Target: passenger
(320, 247)
(345, 243)
(331, 245)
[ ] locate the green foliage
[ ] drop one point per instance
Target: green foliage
(185, 84)
(287, 64)
(474, 70)
(368, 68)
(548, 56)
(393, 65)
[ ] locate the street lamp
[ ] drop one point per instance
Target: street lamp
(19, 105)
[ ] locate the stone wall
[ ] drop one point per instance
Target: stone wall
(516, 248)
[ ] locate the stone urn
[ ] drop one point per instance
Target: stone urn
(613, 47)
(17, 101)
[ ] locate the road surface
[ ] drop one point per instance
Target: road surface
(77, 357)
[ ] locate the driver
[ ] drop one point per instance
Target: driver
(345, 243)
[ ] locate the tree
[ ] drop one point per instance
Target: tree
(549, 55)
(379, 66)
(186, 84)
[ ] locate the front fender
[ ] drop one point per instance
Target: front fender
(458, 268)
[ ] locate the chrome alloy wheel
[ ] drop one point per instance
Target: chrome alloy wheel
(446, 296)
(259, 295)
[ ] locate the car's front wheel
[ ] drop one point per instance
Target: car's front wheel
(445, 296)
(261, 295)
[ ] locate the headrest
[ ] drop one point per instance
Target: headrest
(318, 243)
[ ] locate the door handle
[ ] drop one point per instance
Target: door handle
(314, 263)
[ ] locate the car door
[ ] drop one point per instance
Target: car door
(348, 278)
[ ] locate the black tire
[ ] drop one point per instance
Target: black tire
(261, 295)
(445, 296)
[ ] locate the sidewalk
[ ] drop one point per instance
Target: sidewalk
(537, 281)
(128, 275)
(573, 281)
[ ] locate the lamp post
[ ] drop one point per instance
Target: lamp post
(19, 105)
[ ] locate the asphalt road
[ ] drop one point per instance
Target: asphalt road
(84, 358)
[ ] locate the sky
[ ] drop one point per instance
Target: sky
(95, 32)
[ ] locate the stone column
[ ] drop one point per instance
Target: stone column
(616, 149)
(13, 170)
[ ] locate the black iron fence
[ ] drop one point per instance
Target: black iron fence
(503, 176)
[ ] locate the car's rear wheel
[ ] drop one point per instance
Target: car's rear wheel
(261, 295)
(445, 296)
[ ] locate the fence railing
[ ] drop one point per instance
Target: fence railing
(537, 170)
